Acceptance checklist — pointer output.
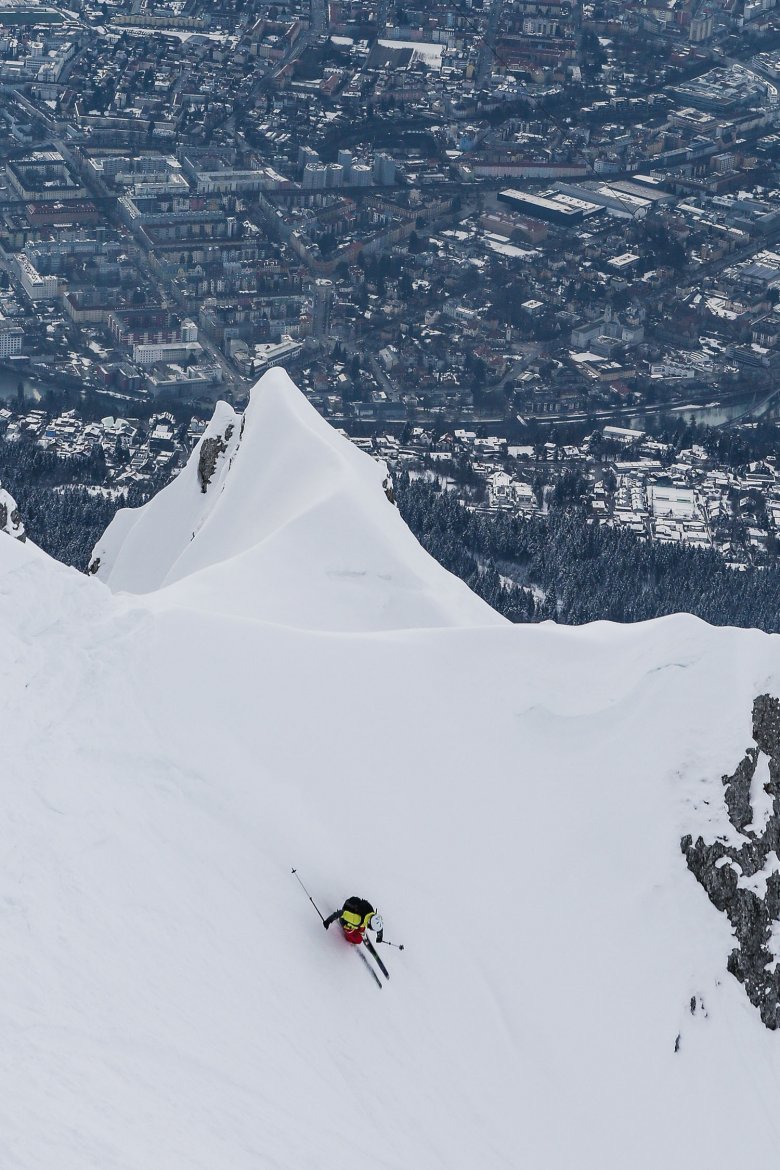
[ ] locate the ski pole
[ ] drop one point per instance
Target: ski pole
(398, 946)
(308, 895)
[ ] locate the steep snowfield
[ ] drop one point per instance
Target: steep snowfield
(294, 526)
(512, 799)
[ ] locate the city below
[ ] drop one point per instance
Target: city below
(495, 243)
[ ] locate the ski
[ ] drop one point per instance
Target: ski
(367, 943)
(374, 975)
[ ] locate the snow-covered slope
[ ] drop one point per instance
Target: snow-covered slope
(512, 798)
(278, 516)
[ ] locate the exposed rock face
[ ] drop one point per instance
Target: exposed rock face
(10, 519)
(210, 451)
(743, 881)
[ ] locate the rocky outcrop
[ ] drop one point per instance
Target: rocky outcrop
(742, 880)
(210, 451)
(10, 519)
(389, 488)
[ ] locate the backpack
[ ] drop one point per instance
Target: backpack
(356, 911)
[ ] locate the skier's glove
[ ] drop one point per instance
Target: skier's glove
(325, 924)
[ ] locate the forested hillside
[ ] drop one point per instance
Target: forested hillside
(63, 502)
(561, 566)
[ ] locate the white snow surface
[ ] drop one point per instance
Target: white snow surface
(294, 527)
(511, 798)
(757, 882)
(761, 801)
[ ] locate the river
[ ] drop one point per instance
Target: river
(9, 383)
(752, 406)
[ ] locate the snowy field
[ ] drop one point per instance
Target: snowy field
(426, 51)
(272, 672)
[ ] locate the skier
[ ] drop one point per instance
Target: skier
(355, 915)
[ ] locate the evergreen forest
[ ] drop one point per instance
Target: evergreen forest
(564, 567)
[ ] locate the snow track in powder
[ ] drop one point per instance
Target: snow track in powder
(371, 970)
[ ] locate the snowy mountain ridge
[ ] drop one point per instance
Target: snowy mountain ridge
(272, 673)
(277, 515)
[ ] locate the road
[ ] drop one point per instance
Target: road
(389, 388)
(488, 47)
(319, 16)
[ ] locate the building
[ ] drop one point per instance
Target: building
(756, 8)
(37, 286)
(315, 176)
(11, 339)
(678, 502)
(722, 163)
(542, 207)
(307, 155)
(147, 327)
(621, 197)
(226, 180)
(82, 211)
(701, 28)
(124, 170)
(43, 176)
(174, 379)
(627, 332)
(151, 353)
(623, 434)
(384, 170)
(270, 354)
(360, 175)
